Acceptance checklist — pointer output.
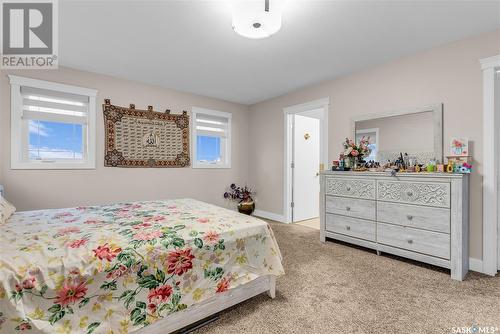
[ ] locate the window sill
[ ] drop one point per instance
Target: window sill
(52, 165)
(211, 166)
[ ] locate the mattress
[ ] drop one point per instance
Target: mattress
(118, 268)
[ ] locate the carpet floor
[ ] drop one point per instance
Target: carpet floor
(336, 288)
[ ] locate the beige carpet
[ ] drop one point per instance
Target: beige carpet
(334, 288)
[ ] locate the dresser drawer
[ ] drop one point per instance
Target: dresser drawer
(354, 227)
(427, 218)
(423, 193)
(425, 242)
(352, 207)
(357, 188)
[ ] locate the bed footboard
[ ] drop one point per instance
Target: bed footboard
(213, 305)
(272, 287)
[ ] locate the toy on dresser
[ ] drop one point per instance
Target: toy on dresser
(458, 165)
(459, 160)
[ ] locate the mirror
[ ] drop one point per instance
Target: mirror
(417, 132)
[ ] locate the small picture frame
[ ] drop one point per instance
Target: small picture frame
(459, 147)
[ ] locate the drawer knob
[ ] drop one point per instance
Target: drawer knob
(348, 228)
(348, 188)
(409, 193)
(410, 217)
(348, 208)
(410, 241)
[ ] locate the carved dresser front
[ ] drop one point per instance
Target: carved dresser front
(421, 216)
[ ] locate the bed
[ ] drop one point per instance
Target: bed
(143, 267)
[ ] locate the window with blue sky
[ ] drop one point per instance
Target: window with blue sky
(53, 125)
(208, 149)
(211, 138)
(53, 140)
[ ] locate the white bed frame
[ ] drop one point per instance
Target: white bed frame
(212, 306)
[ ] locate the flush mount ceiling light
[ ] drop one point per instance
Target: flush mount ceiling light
(257, 18)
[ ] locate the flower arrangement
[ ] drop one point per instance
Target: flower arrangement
(240, 194)
(351, 150)
(243, 195)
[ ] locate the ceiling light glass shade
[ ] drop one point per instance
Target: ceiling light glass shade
(257, 18)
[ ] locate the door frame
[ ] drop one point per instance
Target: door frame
(323, 104)
(491, 170)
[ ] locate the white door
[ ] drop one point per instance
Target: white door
(306, 159)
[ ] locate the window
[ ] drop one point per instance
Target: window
(52, 125)
(373, 141)
(211, 138)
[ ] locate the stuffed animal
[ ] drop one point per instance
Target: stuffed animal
(465, 168)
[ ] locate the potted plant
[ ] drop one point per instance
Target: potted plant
(243, 195)
(354, 152)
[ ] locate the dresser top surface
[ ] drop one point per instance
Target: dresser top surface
(398, 175)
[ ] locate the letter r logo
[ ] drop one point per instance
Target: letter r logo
(27, 28)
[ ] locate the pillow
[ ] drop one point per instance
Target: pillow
(6, 209)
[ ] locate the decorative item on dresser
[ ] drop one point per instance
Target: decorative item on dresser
(423, 217)
(354, 152)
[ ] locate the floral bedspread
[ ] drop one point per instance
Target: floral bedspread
(118, 268)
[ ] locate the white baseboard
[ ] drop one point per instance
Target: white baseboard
(475, 265)
(269, 215)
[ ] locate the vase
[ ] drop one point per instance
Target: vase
(349, 162)
(246, 207)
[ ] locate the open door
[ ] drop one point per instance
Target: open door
(306, 154)
(305, 167)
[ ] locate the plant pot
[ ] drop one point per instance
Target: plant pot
(246, 207)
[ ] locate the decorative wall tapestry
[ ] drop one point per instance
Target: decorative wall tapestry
(145, 138)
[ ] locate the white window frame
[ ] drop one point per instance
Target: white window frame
(226, 151)
(16, 129)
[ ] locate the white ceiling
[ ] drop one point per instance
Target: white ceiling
(190, 45)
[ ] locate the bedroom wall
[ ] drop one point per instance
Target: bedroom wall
(448, 74)
(37, 189)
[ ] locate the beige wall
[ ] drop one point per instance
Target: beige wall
(36, 189)
(448, 74)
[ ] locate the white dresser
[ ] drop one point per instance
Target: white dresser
(421, 216)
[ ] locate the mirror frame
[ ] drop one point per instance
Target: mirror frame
(436, 109)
